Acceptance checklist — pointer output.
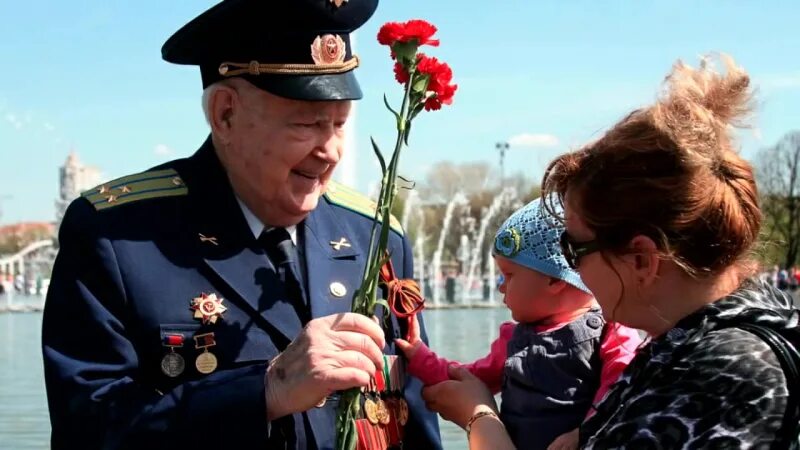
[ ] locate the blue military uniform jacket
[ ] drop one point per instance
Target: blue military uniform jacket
(131, 260)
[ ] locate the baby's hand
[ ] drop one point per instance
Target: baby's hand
(567, 441)
(412, 343)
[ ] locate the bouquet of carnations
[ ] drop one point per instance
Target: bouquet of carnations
(427, 84)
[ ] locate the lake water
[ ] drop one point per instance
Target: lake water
(24, 425)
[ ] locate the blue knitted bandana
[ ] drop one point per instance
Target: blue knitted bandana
(531, 237)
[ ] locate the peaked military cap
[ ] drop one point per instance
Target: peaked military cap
(298, 49)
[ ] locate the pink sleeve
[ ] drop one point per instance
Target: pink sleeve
(616, 351)
(431, 369)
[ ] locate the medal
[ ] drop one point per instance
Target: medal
(173, 364)
(370, 409)
(382, 412)
(208, 308)
(402, 412)
(206, 362)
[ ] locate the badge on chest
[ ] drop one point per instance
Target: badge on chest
(208, 309)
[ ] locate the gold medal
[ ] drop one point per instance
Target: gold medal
(402, 412)
(172, 364)
(206, 363)
(370, 409)
(382, 412)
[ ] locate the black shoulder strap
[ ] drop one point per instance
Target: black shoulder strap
(789, 434)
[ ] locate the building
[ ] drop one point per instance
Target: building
(74, 178)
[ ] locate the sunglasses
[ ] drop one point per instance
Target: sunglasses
(574, 251)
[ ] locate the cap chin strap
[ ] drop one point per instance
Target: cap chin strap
(232, 69)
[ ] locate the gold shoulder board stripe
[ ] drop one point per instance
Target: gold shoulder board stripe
(132, 188)
(355, 201)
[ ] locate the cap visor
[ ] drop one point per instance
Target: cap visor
(339, 86)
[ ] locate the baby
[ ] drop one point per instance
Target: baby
(559, 358)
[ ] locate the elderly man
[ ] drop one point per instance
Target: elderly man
(203, 304)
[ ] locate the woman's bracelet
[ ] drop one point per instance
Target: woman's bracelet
(477, 416)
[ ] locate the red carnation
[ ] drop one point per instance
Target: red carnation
(413, 30)
(441, 76)
(400, 73)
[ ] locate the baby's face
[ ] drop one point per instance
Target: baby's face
(527, 292)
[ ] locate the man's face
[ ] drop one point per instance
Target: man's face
(282, 152)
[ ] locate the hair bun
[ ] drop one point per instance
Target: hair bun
(699, 106)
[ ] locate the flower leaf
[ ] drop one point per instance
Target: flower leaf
(379, 155)
(383, 303)
(421, 84)
(389, 107)
(409, 184)
(406, 132)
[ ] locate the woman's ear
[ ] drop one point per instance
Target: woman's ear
(643, 259)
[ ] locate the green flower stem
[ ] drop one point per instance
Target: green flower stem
(365, 299)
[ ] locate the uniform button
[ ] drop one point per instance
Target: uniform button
(594, 322)
(337, 289)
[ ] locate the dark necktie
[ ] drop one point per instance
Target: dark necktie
(283, 254)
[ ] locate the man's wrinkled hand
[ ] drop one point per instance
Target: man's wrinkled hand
(332, 353)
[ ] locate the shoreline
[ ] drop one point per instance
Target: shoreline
(20, 309)
(480, 305)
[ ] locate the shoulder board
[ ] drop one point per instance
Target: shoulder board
(355, 201)
(132, 188)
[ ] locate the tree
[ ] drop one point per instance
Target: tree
(445, 178)
(778, 174)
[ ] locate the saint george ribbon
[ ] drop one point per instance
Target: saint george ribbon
(404, 296)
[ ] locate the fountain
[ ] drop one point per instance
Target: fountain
(490, 268)
(505, 198)
(411, 201)
(458, 199)
(470, 278)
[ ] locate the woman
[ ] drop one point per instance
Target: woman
(661, 215)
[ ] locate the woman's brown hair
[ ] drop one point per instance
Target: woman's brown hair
(670, 171)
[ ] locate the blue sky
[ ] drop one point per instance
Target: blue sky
(546, 75)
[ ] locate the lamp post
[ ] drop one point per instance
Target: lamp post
(502, 147)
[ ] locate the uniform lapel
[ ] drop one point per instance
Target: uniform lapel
(227, 247)
(334, 262)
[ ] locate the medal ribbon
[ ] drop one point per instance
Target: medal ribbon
(380, 384)
(387, 373)
(204, 340)
(173, 340)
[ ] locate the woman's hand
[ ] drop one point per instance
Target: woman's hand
(567, 441)
(458, 399)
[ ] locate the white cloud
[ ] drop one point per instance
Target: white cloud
(14, 120)
(535, 140)
(780, 81)
(163, 150)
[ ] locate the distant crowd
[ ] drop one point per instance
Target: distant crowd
(783, 279)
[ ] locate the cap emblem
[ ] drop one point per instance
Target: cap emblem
(328, 49)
